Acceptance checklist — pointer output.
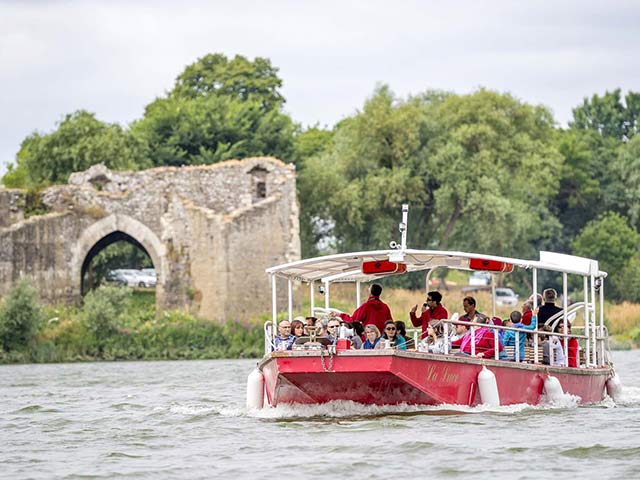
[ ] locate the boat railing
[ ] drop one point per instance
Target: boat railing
(268, 337)
(495, 330)
(571, 314)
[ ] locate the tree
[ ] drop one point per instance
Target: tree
(373, 164)
(589, 185)
(494, 164)
(609, 115)
(20, 316)
(612, 242)
(627, 173)
(307, 144)
(218, 110)
(477, 170)
(238, 79)
(79, 142)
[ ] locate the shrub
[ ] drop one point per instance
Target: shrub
(103, 308)
(20, 316)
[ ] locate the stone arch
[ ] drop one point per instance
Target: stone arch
(113, 228)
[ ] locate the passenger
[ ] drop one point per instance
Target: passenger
(551, 347)
(556, 349)
(435, 341)
(527, 312)
(509, 338)
(572, 344)
(356, 341)
(332, 329)
(297, 328)
(402, 331)
(549, 308)
(544, 344)
(484, 340)
(373, 337)
(284, 340)
(323, 325)
(461, 331)
(538, 300)
(431, 310)
(359, 329)
(470, 312)
(373, 311)
(391, 334)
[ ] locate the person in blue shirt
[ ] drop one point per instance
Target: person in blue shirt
(509, 338)
(284, 340)
(373, 337)
(391, 333)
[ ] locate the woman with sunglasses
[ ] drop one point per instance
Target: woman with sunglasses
(391, 334)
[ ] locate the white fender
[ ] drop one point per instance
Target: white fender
(614, 387)
(255, 389)
(488, 387)
(552, 388)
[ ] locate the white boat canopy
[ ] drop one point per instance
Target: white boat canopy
(348, 267)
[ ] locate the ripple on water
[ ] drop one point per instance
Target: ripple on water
(601, 451)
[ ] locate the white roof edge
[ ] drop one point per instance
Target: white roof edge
(548, 261)
(565, 262)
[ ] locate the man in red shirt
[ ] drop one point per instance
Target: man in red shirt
(431, 310)
(373, 311)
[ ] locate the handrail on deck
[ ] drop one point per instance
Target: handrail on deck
(518, 331)
(268, 335)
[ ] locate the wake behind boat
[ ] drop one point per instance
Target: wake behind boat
(316, 370)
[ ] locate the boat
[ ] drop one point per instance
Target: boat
(315, 372)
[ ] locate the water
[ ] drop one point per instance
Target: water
(188, 420)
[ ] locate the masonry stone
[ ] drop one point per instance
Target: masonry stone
(210, 232)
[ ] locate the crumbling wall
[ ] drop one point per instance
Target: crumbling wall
(210, 230)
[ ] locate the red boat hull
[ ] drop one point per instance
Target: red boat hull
(388, 377)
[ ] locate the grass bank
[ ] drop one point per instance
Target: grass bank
(66, 335)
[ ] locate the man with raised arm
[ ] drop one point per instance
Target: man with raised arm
(373, 311)
(431, 310)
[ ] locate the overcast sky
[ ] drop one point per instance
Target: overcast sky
(114, 57)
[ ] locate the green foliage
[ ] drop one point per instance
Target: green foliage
(116, 325)
(627, 171)
(20, 316)
(310, 142)
(79, 142)
(103, 309)
(628, 279)
(16, 176)
(609, 115)
(589, 185)
(616, 246)
(463, 163)
(219, 109)
(237, 79)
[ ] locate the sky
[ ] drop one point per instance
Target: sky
(114, 57)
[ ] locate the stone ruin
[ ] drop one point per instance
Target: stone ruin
(210, 232)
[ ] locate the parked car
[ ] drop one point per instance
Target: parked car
(131, 278)
(506, 296)
(146, 279)
(480, 278)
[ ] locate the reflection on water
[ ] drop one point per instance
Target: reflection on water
(188, 420)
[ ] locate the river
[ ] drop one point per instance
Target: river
(188, 420)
